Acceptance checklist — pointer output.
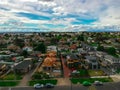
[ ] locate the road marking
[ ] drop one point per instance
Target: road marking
(92, 88)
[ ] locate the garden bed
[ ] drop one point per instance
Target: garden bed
(12, 76)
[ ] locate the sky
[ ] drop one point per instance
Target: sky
(59, 15)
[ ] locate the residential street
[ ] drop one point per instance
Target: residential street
(108, 86)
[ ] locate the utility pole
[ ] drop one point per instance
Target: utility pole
(71, 86)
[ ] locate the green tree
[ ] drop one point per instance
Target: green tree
(100, 48)
(37, 75)
(40, 47)
(80, 37)
(54, 41)
(83, 72)
(19, 42)
(25, 53)
(111, 50)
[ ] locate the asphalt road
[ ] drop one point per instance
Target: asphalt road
(108, 86)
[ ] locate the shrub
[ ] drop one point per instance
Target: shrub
(91, 80)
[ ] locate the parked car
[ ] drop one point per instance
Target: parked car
(86, 83)
(98, 83)
(49, 85)
(37, 86)
(75, 72)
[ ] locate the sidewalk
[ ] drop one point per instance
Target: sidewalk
(63, 82)
(116, 78)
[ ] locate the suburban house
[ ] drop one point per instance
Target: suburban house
(73, 61)
(4, 57)
(28, 49)
(23, 67)
(112, 62)
(18, 58)
(5, 52)
(92, 62)
(52, 48)
(3, 68)
(87, 47)
(49, 61)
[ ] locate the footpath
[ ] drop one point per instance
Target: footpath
(63, 82)
(116, 78)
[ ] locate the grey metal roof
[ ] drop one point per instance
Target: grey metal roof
(73, 56)
(91, 57)
(23, 65)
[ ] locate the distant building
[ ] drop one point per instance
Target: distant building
(3, 68)
(52, 48)
(28, 49)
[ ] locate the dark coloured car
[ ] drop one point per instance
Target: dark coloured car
(49, 85)
(98, 83)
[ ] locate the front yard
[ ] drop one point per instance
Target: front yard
(8, 83)
(81, 80)
(53, 81)
(12, 76)
(42, 78)
(10, 80)
(87, 73)
(96, 73)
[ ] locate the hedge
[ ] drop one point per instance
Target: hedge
(9, 83)
(81, 80)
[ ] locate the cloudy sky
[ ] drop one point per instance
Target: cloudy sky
(59, 15)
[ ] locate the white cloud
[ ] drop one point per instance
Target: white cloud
(106, 12)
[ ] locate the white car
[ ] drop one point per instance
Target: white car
(36, 86)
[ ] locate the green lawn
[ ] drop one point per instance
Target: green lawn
(91, 80)
(53, 81)
(12, 76)
(94, 44)
(96, 73)
(8, 83)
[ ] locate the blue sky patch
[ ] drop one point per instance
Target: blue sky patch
(31, 25)
(5, 9)
(55, 26)
(33, 16)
